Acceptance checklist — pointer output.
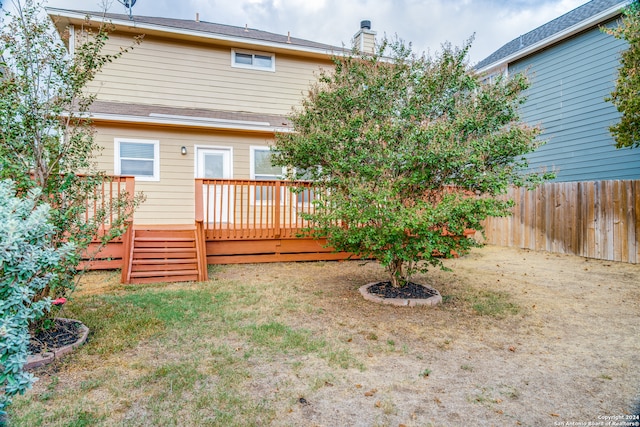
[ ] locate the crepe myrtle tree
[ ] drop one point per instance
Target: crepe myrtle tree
(625, 94)
(46, 137)
(406, 153)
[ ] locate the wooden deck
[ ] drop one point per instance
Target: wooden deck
(258, 221)
(236, 221)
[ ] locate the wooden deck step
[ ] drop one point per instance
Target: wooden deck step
(164, 261)
(164, 273)
(158, 279)
(164, 255)
(163, 250)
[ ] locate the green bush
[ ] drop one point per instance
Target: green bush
(28, 259)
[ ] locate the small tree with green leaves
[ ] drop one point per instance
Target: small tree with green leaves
(406, 153)
(625, 95)
(46, 137)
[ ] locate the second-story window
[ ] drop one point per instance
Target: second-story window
(254, 60)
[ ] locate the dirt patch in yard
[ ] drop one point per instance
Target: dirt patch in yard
(564, 346)
(521, 338)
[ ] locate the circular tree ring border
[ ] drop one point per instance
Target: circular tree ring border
(401, 302)
(37, 360)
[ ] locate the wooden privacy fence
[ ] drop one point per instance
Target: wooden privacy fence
(232, 209)
(594, 219)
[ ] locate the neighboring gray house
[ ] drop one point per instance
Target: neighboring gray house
(572, 66)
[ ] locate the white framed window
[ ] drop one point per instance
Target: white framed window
(137, 157)
(262, 170)
(253, 60)
(261, 167)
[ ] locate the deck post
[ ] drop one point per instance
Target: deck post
(276, 215)
(130, 185)
(127, 237)
(127, 244)
(201, 250)
(201, 242)
(199, 213)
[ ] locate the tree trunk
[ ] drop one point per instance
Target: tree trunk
(396, 272)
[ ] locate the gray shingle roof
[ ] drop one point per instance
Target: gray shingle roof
(569, 19)
(146, 111)
(209, 28)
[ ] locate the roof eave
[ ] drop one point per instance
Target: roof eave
(138, 26)
(561, 35)
(191, 123)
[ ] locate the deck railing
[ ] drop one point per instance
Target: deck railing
(250, 209)
(105, 202)
(105, 199)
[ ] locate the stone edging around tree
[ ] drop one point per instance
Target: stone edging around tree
(37, 360)
(402, 302)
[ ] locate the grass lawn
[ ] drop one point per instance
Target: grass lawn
(295, 344)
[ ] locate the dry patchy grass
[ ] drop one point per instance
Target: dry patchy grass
(522, 338)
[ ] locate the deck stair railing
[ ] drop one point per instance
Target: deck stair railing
(105, 202)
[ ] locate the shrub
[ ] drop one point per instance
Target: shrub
(28, 259)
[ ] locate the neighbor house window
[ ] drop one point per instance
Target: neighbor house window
(253, 60)
(137, 157)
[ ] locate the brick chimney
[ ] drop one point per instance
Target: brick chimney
(365, 40)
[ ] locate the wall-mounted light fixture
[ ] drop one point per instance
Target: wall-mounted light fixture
(183, 150)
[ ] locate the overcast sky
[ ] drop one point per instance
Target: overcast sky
(424, 23)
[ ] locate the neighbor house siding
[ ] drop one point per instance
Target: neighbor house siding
(198, 75)
(569, 82)
(171, 199)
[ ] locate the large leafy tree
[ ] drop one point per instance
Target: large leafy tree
(625, 95)
(406, 153)
(46, 138)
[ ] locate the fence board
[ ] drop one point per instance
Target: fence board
(636, 216)
(591, 219)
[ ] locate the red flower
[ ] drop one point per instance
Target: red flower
(59, 301)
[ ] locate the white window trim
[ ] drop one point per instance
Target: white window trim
(252, 161)
(156, 157)
(72, 40)
(253, 53)
(252, 171)
(197, 147)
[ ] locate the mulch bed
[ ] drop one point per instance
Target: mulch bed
(409, 291)
(61, 333)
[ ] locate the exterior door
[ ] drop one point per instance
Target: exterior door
(215, 163)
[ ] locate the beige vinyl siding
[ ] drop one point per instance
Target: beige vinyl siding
(171, 199)
(369, 44)
(180, 74)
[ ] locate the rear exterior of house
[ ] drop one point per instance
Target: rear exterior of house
(191, 113)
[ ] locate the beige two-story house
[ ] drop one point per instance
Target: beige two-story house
(198, 101)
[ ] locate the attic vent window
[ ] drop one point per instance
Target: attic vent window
(253, 60)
